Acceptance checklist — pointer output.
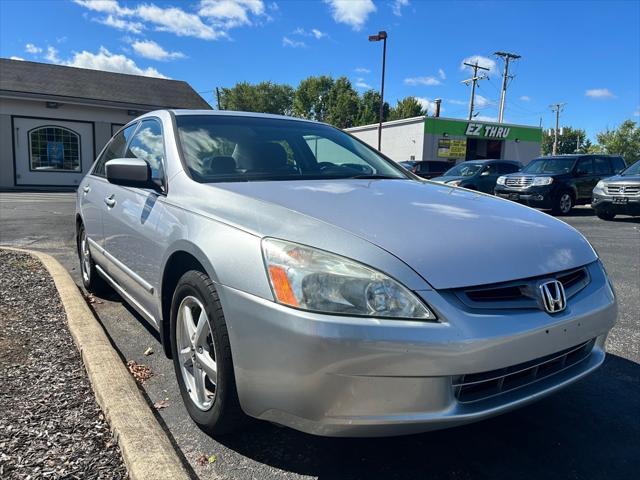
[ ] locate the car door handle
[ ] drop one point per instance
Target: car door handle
(86, 189)
(110, 200)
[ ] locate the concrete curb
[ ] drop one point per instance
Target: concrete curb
(147, 452)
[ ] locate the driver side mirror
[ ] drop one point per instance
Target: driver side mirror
(129, 172)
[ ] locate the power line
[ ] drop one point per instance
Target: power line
(503, 95)
(473, 80)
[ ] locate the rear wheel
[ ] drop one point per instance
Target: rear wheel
(563, 204)
(202, 356)
(91, 279)
(605, 215)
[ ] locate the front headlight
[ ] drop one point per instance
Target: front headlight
(311, 279)
(454, 183)
(539, 181)
(599, 186)
(501, 180)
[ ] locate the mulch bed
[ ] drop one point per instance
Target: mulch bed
(50, 424)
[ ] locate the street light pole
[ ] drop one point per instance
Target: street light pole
(382, 35)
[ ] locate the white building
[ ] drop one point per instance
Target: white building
(54, 120)
(453, 140)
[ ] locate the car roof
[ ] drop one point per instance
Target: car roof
(233, 113)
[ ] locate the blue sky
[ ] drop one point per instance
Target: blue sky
(586, 54)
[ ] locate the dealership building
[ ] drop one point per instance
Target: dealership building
(54, 119)
(453, 140)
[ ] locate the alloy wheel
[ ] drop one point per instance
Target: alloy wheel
(565, 203)
(196, 352)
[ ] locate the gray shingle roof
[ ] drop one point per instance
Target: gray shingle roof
(24, 78)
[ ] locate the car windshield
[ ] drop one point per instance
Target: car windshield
(550, 165)
(463, 170)
(225, 148)
(632, 170)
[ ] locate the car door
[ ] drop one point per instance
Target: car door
(486, 180)
(93, 191)
(585, 178)
(132, 224)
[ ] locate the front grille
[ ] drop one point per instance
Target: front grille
(521, 293)
(519, 182)
(480, 386)
(625, 189)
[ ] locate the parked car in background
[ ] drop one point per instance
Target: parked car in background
(618, 195)
(480, 175)
(288, 285)
(430, 168)
(558, 183)
(408, 164)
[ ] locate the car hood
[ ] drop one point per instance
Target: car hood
(450, 236)
(623, 179)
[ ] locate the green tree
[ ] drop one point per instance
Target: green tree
(342, 104)
(567, 142)
(264, 97)
(406, 108)
(370, 108)
(311, 98)
(624, 141)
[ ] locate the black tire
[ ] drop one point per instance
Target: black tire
(91, 279)
(563, 203)
(225, 414)
(603, 215)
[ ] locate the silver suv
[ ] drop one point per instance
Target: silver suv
(298, 276)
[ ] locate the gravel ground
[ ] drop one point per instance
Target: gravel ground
(50, 424)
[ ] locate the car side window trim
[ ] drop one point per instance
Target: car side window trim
(165, 181)
(104, 149)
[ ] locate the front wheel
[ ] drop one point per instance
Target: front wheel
(202, 356)
(563, 204)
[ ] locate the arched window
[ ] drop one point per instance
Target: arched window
(54, 148)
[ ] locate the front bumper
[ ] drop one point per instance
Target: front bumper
(537, 197)
(347, 376)
(605, 203)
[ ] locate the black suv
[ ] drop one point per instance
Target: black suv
(558, 183)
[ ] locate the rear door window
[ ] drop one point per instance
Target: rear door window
(617, 164)
(601, 166)
(585, 166)
(507, 168)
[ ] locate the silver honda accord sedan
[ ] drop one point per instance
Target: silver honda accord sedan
(296, 275)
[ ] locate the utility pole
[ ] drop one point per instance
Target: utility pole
(503, 94)
(557, 108)
(218, 97)
(473, 80)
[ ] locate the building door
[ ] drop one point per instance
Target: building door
(483, 149)
(51, 152)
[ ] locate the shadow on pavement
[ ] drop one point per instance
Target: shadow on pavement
(590, 430)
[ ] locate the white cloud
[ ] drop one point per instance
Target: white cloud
(287, 42)
(104, 6)
(150, 49)
(52, 55)
(121, 24)
(314, 32)
(31, 48)
(441, 74)
(457, 102)
(351, 12)
(178, 22)
(13, 57)
(482, 62)
(600, 93)
(427, 105)
(525, 98)
(103, 60)
(428, 81)
(362, 70)
(360, 83)
(231, 13)
(481, 101)
(396, 7)
(635, 114)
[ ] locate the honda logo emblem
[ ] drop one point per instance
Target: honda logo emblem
(553, 296)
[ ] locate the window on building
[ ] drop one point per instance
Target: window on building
(54, 148)
(148, 144)
(115, 149)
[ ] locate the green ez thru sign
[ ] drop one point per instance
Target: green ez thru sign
(486, 131)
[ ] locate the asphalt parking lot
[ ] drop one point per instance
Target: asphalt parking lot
(590, 430)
